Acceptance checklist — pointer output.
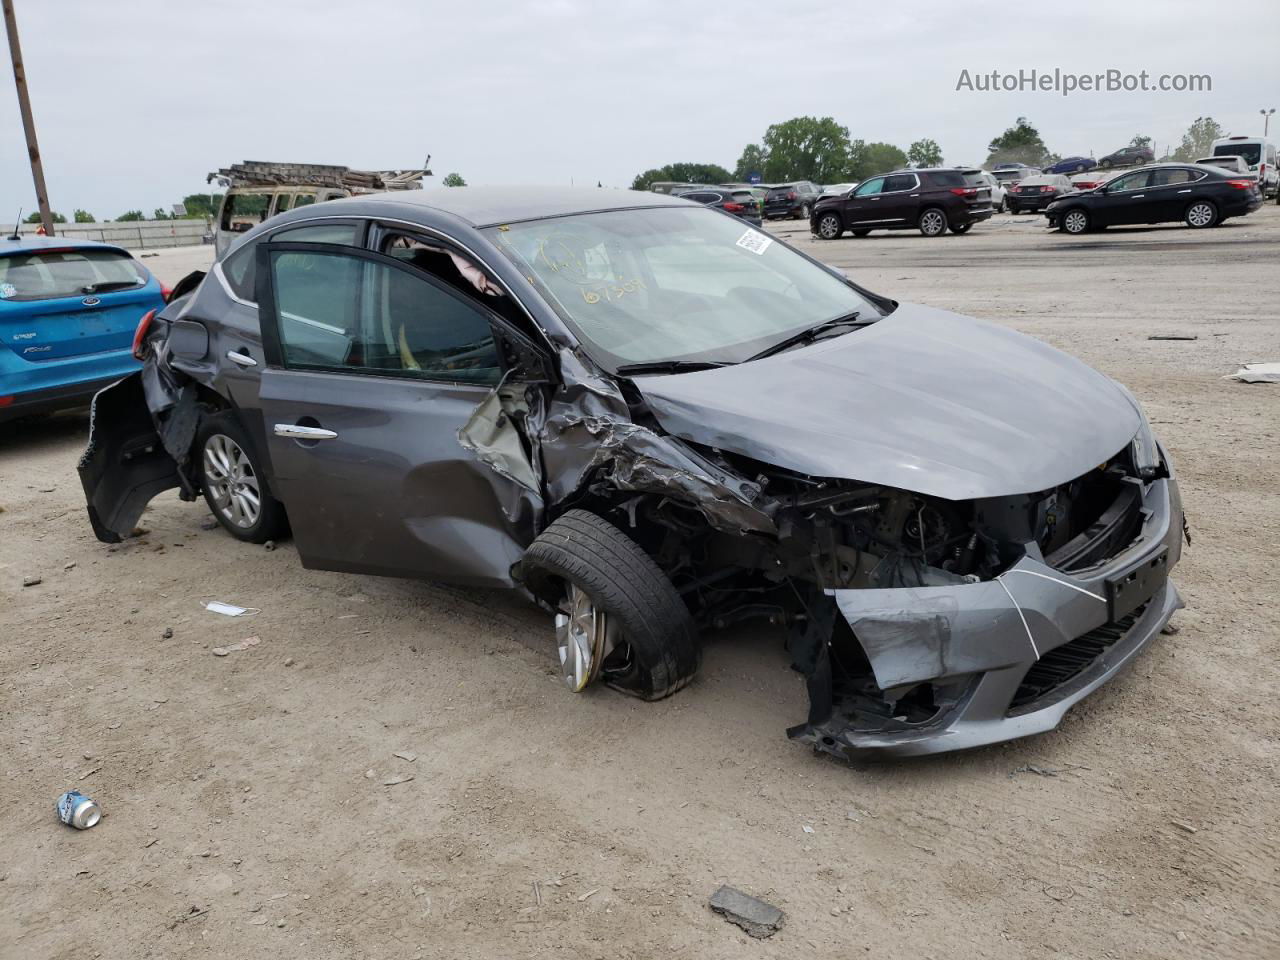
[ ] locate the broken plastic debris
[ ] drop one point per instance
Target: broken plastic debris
(392, 781)
(229, 609)
(406, 756)
(1256, 373)
(806, 828)
(758, 918)
(244, 644)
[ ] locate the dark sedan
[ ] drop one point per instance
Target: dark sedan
(741, 203)
(1035, 193)
(1072, 165)
(1164, 193)
(638, 411)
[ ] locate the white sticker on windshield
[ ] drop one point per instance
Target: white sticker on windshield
(7, 290)
(754, 241)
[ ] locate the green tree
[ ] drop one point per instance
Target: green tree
(130, 215)
(1140, 141)
(201, 205)
(160, 214)
(805, 148)
(83, 216)
(682, 173)
(1021, 143)
(868, 159)
(1198, 140)
(925, 153)
(34, 217)
(454, 180)
(751, 161)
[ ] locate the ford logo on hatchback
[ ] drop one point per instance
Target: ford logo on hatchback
(91, 301)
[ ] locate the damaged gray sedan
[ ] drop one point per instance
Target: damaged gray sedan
(658, 421)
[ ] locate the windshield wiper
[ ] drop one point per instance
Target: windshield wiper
(106, 285)
(668, 366)
(809, 334)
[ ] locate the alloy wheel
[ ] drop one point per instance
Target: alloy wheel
(932, 223)
(829, 227)
(233, 481)
(1076, 221)
(1200, 215)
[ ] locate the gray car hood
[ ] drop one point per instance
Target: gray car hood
(923, 400)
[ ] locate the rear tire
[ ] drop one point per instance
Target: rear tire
(235, 486)
(805, 210)
(932, 222)
(1201, 214)
(657, 650)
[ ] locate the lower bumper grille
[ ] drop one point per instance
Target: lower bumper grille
(1063, 664)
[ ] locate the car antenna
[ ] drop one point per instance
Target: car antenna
(17, 225)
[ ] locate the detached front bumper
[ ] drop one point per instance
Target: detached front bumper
(1015, 653)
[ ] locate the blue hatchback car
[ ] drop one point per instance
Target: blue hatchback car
(68, 313)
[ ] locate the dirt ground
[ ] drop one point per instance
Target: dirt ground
(248, 811)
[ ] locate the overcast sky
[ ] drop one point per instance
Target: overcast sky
(136, 101)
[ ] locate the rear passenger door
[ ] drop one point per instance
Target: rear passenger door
(1170, 192)
(363, 396)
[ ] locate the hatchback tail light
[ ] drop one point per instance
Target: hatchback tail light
(165, 292)
(1240, 184)
(734, 207)
(965, 191)
(140, 335)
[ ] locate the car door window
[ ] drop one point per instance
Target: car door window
(1168, 178)
(377, 317)
(240, 268)
(869, 188)
(898, 182)
(1130, 181)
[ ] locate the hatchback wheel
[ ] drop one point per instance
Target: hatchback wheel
(234, 485)
(619, 617)
(805, 210)
(1202, 213)
(1075, 220)
(933, 222)
(829, 226)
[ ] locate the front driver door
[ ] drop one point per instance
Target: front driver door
(1123, 200)
(863, 206)
(369, 378)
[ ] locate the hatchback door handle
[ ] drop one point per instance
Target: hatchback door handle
(241, 359)
(299, 432)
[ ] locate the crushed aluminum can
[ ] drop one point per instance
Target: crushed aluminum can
(77, 810)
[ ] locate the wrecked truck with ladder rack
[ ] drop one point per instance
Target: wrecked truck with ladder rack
(658, 422)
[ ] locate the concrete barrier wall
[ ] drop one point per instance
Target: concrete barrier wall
(132, 235)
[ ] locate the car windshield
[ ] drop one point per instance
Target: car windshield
(51, 274)
(1252, 152)
(639, 286)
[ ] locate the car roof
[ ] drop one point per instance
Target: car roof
(30, 243)
(491, 206)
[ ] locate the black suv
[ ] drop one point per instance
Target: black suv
(793, 200)
(929, 200)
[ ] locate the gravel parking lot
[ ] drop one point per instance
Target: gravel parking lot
(256, 805)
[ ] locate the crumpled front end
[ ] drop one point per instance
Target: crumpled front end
(957, 666)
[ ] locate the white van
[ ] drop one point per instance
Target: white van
(1259, 153)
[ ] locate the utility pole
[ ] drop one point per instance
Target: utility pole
(28, 123)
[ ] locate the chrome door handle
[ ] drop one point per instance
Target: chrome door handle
(241, 359)
(1184, 191)
(1138, 196)
(299, 432)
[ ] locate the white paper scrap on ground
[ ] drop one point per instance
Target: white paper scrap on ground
(229, 609)
(1256, 373)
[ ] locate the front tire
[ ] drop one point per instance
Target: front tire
(933, 222)
(1201, 214)
(235, 486)
(593, 570)
(830, 226)
(1074, 221)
